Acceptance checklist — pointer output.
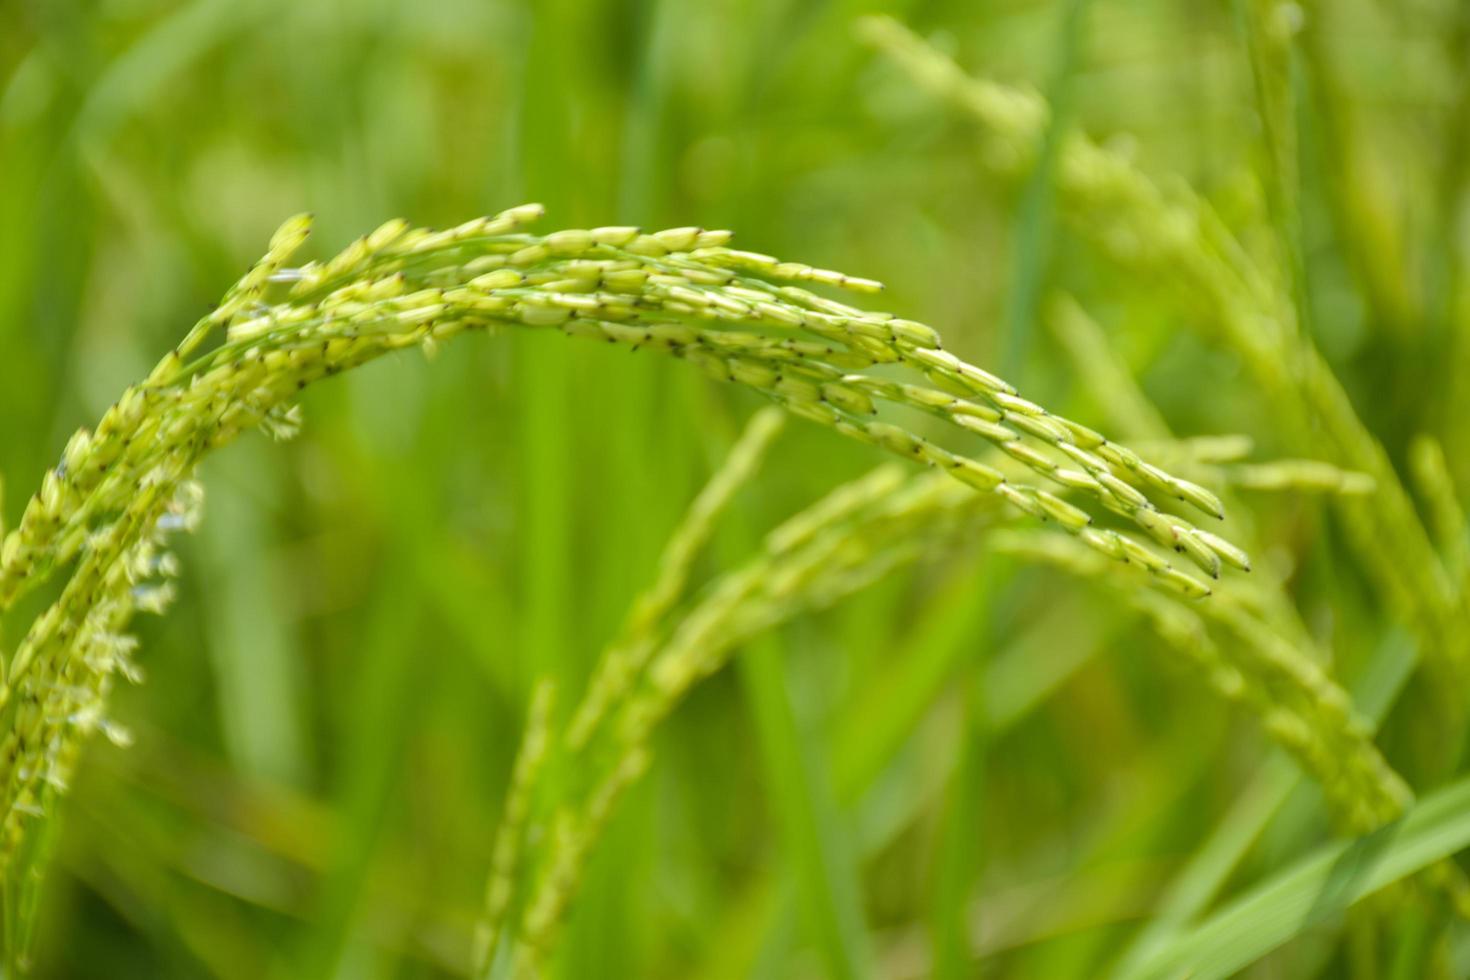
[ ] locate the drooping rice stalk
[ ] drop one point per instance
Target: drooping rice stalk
(857, 533)
(682, 291)
(103, 512)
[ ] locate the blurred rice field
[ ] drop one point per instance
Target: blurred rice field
(979, 766)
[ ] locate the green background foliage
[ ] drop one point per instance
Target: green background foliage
(975, 767)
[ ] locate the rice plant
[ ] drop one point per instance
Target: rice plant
(1086, 598)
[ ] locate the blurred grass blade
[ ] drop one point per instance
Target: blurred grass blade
(1316, 890)
(882, 716)
(827, 879)
(1036, 220)
(958, 858)
(253, 650)
(1191, 892)
(1207, 870)
(178, 40)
